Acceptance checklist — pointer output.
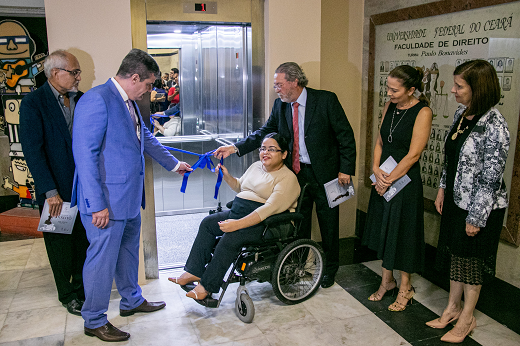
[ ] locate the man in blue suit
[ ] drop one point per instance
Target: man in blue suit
(46, 117)
(109, 141)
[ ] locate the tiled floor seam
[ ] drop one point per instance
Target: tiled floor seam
(378, 312)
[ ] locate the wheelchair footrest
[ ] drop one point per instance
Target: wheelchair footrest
(208, 302)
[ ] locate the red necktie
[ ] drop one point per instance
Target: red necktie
(296, 140)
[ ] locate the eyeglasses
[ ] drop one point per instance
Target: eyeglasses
(278, 85)
(74, 73)
(270, 149)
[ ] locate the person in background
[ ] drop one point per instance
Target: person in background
(173, 93)
(172, 127)
(395, 229)
(165, 78)
(158, 97)
(323, 148)
(46, 118)
(174, 73)
(110, 140)
(472, 196)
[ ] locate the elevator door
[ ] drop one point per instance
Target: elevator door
(215, 104)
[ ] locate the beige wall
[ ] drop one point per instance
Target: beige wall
(341, 66)
(166, 63)
(98, 32)
(292, 33)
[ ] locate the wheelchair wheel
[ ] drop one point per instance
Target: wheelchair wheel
(245, 308)
(298, 271)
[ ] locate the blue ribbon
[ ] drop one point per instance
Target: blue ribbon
(203, 161)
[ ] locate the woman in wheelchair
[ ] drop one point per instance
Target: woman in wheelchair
(268, 187)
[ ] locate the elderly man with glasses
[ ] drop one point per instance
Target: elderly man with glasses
(322, 148)
(46, 117)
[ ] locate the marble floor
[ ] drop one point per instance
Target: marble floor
(30, 313)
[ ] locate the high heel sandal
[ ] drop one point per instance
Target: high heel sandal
(437, 324)
(403, 299)
(455, 339)
(375, 297)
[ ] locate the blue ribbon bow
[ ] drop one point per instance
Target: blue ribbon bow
(203, 161)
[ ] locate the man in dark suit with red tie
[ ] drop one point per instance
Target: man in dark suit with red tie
(323, 148)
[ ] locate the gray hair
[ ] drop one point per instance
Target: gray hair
(57, 59)
(292, 72)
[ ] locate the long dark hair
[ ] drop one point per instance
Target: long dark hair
(483, 81)
(410, 77)
(158, 83)
(282, 143)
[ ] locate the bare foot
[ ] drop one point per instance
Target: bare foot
(198, 293)
(184, 279)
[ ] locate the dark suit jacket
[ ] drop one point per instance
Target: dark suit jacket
(328, 135)
(47, 143)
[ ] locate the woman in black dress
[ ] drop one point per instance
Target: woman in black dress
(472, 196)
(395, 229)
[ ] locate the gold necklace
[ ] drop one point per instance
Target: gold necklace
(390, 138)
(459, 131)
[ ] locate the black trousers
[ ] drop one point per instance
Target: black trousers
(328, 218)
(67, 254)
(227, 248)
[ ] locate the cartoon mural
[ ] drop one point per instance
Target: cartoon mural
(19, 65)
(22, 182)
(16, 58)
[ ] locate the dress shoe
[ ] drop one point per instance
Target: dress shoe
(327, 281)
(437, 324)
(144, 307)
(74, 307)
(454, 338)
(107, 333)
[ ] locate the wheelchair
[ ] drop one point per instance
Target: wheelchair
(294, 266)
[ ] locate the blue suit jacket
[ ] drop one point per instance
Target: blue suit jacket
(109, 157)
(47, 143)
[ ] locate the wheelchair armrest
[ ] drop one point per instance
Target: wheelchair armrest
(282, 218)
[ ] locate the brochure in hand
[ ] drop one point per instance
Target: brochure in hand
(388, 166)
(337, 194)
(61, 224)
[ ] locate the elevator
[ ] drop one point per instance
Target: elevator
(221, 60)
(214, 62)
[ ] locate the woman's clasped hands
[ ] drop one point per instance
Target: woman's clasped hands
(382, 182)
(229, 225)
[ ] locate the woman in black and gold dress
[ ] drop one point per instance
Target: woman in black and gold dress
(395, 229)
